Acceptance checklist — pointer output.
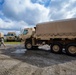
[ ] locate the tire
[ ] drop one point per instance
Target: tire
(56, 48)
(7, 40)
(71, 49)
(28, 45)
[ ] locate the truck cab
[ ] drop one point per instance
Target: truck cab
(27, 33)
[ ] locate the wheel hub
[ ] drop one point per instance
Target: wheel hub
(29, 45)
(56, 48)
(72, 49)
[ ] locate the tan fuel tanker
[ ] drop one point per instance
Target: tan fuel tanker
(58, 34)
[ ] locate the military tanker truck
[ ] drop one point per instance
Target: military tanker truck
(58, 34)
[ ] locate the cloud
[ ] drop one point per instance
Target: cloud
(12, 25)
(25, 10)
(6, 26)
(17, 14)
(62, 9)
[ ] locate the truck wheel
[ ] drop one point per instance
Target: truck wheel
(7, 40)
(56, 48)
(71, 49)
(28, 45)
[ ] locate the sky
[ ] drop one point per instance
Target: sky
(18, 14)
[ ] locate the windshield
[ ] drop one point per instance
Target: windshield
(25, 32)
(10, 34)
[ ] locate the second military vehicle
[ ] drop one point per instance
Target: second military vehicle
(11, 36)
